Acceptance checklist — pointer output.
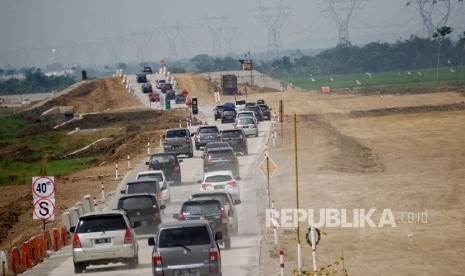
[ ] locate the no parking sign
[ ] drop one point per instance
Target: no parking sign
(43, 193)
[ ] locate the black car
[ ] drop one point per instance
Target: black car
(180, 99)
(147, 70)
(170, 95)
(209, 209)
(141, 78)
(205, 134)
(217, 111)
(236, 139)
(168, 163)
(261, 101)
(214, 145)
(146, 87)
(256, 109)
(228, 116)
(221, 159)
(266, 113)
(143, 208)
(144, 186)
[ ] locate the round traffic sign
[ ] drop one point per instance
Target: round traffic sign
(43, 187)
(44, 208)
(309, 239)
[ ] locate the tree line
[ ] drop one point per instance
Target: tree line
(33, 81)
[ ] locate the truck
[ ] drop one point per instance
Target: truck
(229, 84)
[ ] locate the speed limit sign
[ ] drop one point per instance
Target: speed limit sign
(43, 187)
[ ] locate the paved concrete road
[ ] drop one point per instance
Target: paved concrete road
(242, 259)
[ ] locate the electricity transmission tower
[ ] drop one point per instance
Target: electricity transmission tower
(184, 33)
(228, 37)
(341, 11)
(142, 42)
(273, 18)
(215, 25)
(434, 13)
(171, 33)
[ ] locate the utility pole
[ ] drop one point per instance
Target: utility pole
(434, 13)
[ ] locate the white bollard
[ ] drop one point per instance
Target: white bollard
(299, 258)
(161, 140)
(95, 204)
(116, 170)
(281, 262)
(66, 220)
(148, 148)
(79, 208)
(73, 216)
(129, 162)
(180, 123)
(87, 204)
(103, 191)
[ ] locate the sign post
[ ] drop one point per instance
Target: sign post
(268, 168)
(43, 193)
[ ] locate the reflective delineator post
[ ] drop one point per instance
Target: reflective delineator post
(103, 191)
(116, 170)
(95, 204)
(180, 123)
(148, 148)
(281, 262)
(312, 238)
(161, 141)
(129, 162)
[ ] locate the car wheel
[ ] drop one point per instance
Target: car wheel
(133, 263)
(191, 154)
(79, 267)
(227, 244)
(197, 147)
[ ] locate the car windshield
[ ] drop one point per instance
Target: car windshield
(232, 134)
(245, 121)
(221, 197)
(208, 130)
(201, 208)
(183, 236)
(176, 133)
(246, 114)
(136, 202)
(240, 102)
(101, 223)
(142, 187)
(218, 178)
(162, 159)
(152, 176)
(229, 112)
(221, 153)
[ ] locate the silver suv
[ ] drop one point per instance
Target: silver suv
(104, 237)
(178, 141)
(186, 248)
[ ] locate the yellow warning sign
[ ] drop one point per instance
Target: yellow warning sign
(267, 167)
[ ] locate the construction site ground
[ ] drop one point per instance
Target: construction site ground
(398, 151)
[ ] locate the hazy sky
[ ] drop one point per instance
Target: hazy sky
(90, 32)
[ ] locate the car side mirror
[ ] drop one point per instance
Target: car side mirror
(175, 216)
(136, 224)
(72, 229)
(218, 236)
(199, 181)
(230, 212)
(162, 207)
(237, 202)
(123, 192)
(151, 241)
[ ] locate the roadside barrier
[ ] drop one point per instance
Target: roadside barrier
(95, 204)
(116, 173)
(161, 140)
(56, 239)
(15, 261)
(79, 208)
(47, 241)
(35, 256)
(148, 148)
(103, 188)
(281, 262)
(73, 216)
(87, 205)
(41, 247)
(26, 259)
(64, 236)
(66, 219)
(129, 162)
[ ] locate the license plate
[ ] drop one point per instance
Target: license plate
(219, 187)
(186, 272)
(101, 241)
(245, 127)
(175, 147)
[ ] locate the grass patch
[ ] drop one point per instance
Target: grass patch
(11, 127)
(418, 78)
(18, 173)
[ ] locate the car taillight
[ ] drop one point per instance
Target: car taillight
(206, 186)
(208, 161)
(243, 140)
(181, 216)
(232, 183)
(127, 236)
(157, 214)
(165, 142)
(213, 255)
(156, 261)
(254, 126)
(177, 168)
(223, 214)
(188, 141)
(76, 241)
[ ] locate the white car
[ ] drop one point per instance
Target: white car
(240, 105)
(219, 180)
(245, 113)
(160, 177)
(26, 101)
(248, 125)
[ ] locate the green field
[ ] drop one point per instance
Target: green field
(423, 78)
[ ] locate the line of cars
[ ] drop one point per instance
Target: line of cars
(162, 85)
